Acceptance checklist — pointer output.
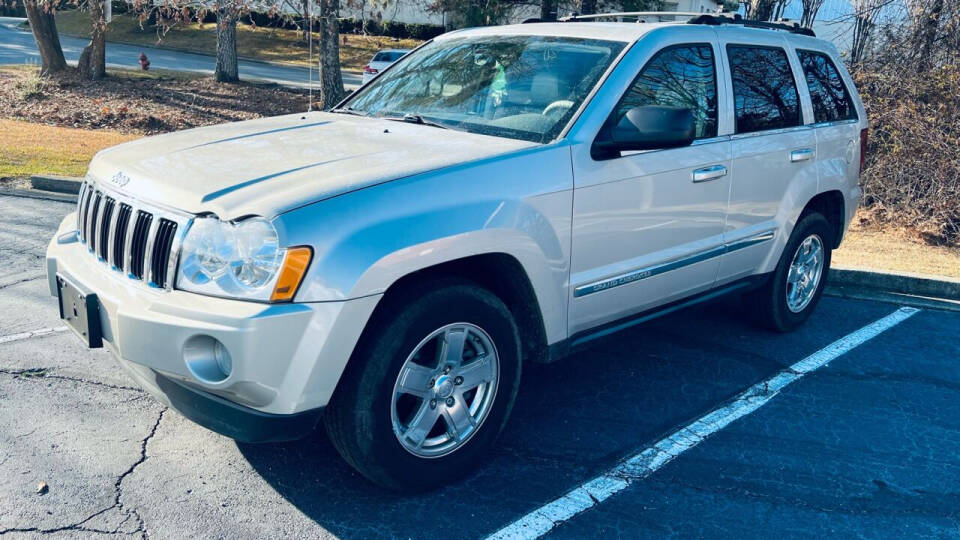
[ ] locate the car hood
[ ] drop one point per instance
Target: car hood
(271, 165)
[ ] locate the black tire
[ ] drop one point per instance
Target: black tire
(768, 304)
(358, 418)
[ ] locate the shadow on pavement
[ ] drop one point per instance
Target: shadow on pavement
(572, 419)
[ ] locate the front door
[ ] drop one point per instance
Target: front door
(648, 226)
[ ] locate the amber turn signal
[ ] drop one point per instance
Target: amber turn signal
(295, 265)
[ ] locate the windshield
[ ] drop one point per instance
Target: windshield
(521, 87)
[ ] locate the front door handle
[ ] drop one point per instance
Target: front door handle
(709, 173)
(802, 155)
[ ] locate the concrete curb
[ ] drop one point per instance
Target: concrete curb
(905, 283)
(56, 184)
(42, 195)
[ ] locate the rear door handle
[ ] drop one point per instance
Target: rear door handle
(802, 155)
(709, 173)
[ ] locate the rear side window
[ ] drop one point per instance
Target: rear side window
(681, 76)
(764, 92)
(830, 98)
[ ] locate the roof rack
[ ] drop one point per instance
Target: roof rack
(715, 20)
(641, 16)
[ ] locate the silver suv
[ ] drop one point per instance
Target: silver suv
(498, 196)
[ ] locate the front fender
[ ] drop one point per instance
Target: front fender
(519, 205)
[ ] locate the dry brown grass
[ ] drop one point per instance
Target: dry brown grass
(895, 249)
(27, 148)
(259, 43)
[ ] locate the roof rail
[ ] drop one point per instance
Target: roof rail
(641, 16)
(715, 20)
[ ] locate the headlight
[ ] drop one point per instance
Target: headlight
(235, 259)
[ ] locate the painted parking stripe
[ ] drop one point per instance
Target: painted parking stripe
(595, 491)
(33, 333)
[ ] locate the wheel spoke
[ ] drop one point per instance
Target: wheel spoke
(453, 344)
(415, 380)
(458, 419)
(422, 424)
(475, 373)
(794, 275)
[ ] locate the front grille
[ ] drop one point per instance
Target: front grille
(127, 235)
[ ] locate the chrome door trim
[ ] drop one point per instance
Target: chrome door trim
(657, 269)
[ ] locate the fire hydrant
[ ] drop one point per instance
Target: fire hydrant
(144, 62)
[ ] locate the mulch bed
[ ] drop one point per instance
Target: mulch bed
(132, 104)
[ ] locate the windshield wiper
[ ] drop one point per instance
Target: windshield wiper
(416, 119)
(350, 110)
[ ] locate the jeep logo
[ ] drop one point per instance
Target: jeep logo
(120, 179)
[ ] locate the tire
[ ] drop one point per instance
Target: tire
(371, 419)
(770, 305)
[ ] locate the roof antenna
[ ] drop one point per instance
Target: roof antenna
(310, 46)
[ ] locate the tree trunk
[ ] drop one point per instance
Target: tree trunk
(93, 59)
(305, 5)
(760, 10)
(588, 7)
(226, 69)
(44, 29)
(331, 79)
(928, 29)
(548, 10)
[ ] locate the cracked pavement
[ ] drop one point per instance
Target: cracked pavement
(863, 447)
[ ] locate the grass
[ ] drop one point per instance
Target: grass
(27, 148)
(258, 43)
(895, 250)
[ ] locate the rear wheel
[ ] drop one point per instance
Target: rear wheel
(429, 388)
(793, 291)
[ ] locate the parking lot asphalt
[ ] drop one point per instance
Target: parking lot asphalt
(865, 446)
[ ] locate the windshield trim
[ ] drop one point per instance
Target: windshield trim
(562, 134)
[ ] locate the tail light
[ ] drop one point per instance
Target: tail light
(370, 70)
(864, 136)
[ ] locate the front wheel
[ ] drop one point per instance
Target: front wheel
(793, 291)
(429, 388)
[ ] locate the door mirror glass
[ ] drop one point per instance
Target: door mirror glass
(649, 127)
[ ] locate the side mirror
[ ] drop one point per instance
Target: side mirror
(649, 127)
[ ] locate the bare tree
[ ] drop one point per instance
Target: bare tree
(810, 10)
(331, 79)
(93, 59)
(44, 28)
(226, 69)
(865, 14)
(760, 10)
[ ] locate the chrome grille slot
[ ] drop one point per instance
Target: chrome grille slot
(92, 223)
(163, 242)
(103, 228)
(120, 234)
(138, 246)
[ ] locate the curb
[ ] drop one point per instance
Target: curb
(56, 184)
(42, 195)
(888, 282)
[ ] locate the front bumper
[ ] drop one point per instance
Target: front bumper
(287, 358)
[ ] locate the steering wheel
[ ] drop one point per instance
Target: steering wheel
(557, 108)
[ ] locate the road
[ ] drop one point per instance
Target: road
(18, 47)
(864, 446)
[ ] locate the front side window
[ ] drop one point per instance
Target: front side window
(830, 98)
(764, 93)
(681, 76)
(520, 87)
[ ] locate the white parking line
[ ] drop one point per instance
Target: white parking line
(33, 333)
(591, 493)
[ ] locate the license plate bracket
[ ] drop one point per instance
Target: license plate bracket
(81, 313)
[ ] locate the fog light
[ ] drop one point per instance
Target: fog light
(224, 362)
(207, 359)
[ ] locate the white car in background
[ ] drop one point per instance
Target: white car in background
(381, 61)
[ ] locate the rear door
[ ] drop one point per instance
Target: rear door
(836, 121)
(774, 151)
(648, 226)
